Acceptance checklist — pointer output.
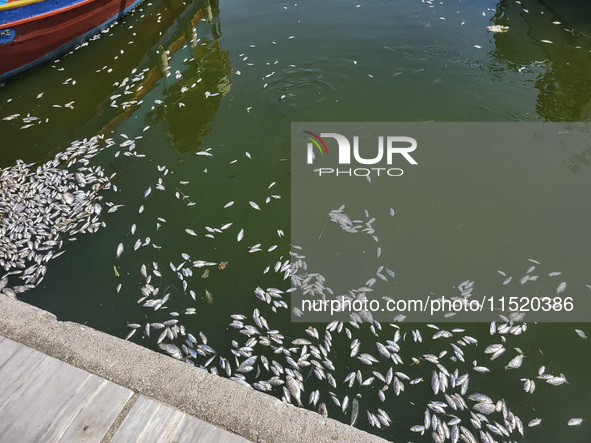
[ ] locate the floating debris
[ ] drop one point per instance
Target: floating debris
(497, 28)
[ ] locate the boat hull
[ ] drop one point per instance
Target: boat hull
(39, 37)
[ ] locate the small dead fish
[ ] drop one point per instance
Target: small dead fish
(561, 287)
(515, 362)
(497, 28)
(354, 411)
(534, 422)
(254, 205)
(208, 297)
(484, 408)
(575, 421)
(171, 350)
(119, 250)
(294, 389)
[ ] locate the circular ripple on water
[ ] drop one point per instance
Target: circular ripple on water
(300, 86)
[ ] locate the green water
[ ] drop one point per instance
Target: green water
(252, 69)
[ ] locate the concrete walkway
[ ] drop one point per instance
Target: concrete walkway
(45, 400)
(70, 382)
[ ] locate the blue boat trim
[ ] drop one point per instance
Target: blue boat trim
(33, 9)
(68, 46)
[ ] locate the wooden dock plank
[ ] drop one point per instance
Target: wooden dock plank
(44, 399)
(150, 421)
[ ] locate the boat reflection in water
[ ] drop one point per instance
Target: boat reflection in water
(196, 78)
(185, 70)
(118, 75)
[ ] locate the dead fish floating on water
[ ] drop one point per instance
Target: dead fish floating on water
(294, 389)
(515, 362)
(497, 28)
(208, 297)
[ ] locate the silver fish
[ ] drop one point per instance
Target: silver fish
(294, 389)
(534, 422)
(354, 411)
(515, 362)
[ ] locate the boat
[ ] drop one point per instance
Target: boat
(33, 32)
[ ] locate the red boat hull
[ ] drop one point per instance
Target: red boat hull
(43, 37)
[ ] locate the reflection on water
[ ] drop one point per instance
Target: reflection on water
(165, 84)
(93, 91)
(554, 39)
(196, 82)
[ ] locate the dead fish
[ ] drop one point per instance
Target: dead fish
(294, 389)
(354, 411)
(561, 287)
(515, 362)
(575, 421)
(208, 297)
(534, 422)
(171, 350)
(322, 410)
(497, 28)
(119, 250)
(254, 205)
(581, 333)
(484, 408)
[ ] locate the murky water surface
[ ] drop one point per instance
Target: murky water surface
(193, 101)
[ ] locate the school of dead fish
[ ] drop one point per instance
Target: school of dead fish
(43, 207)
(378, 371)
